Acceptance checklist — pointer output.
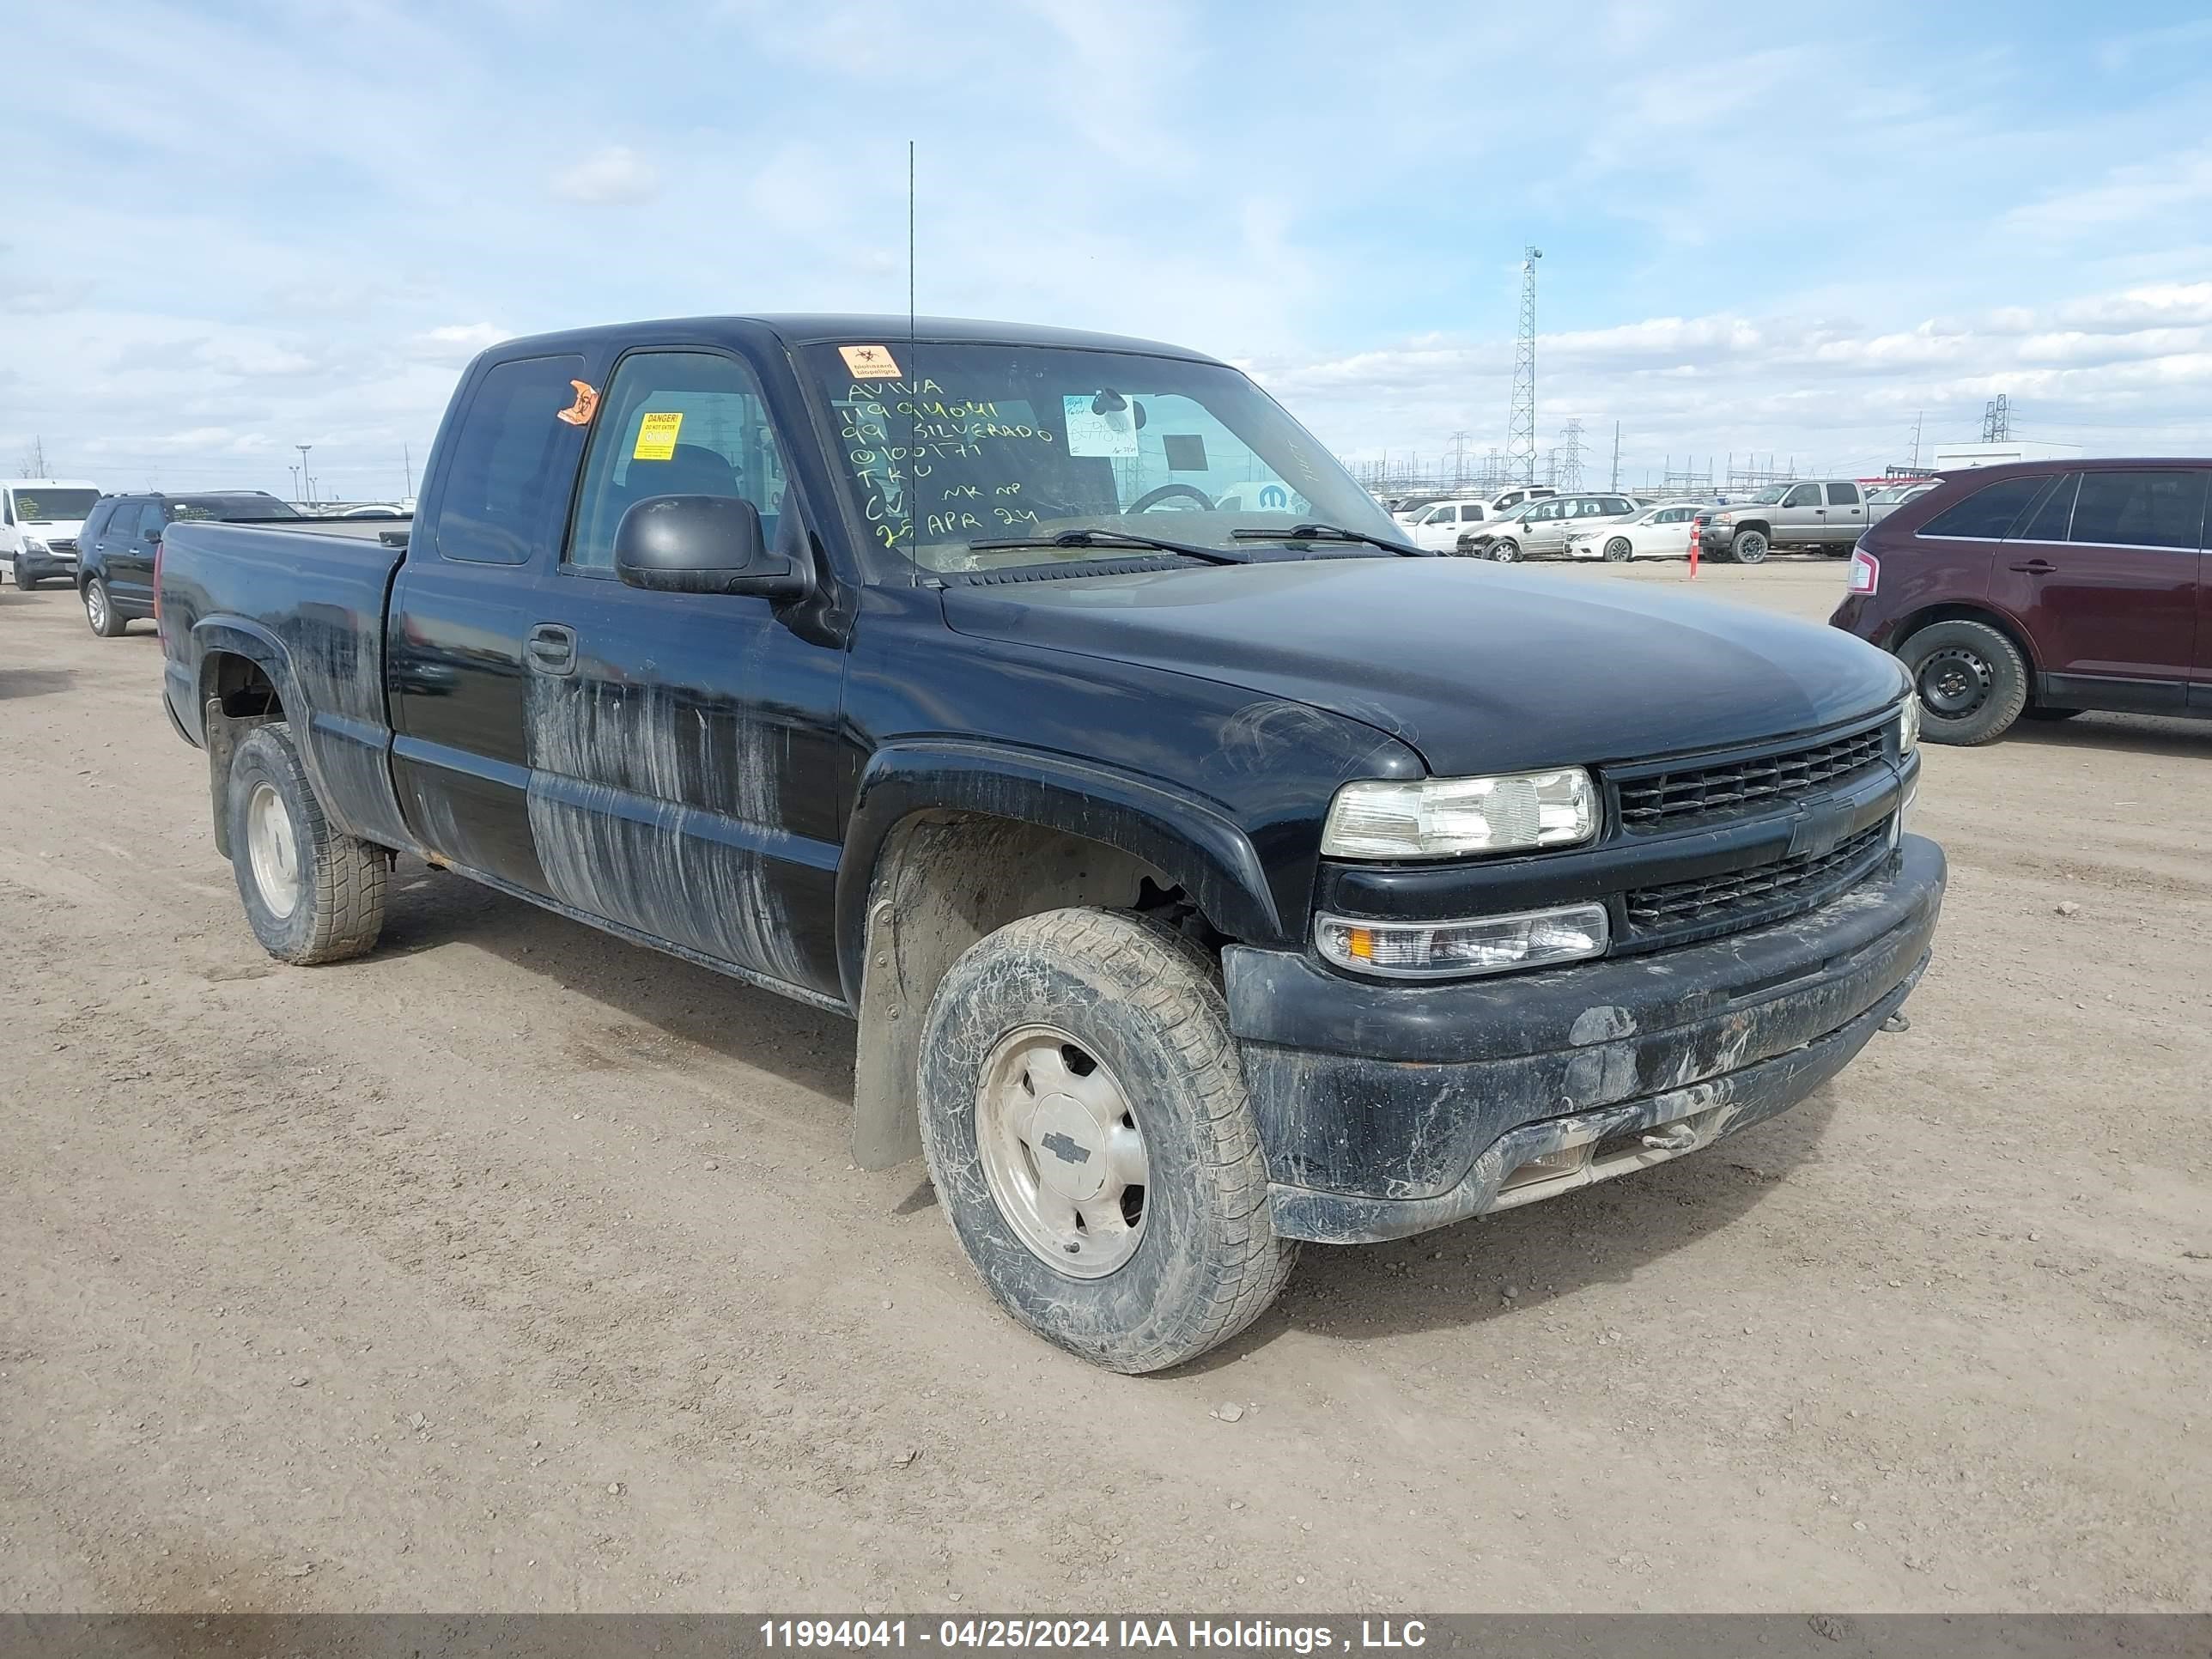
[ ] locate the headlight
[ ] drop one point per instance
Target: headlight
(1722, 518)
(1481, 945)
(33, 544)
(1908, 725)
(1445, 817)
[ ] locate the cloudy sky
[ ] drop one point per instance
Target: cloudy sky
(233, 227)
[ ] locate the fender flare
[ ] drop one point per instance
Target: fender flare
(1185, 838)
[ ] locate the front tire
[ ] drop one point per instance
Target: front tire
(24, 582)
(1971, 681)
(100, 611)
(1750, 547)
(1618, 550)
(1505, 552)
(1085, 1124)
(313, 894)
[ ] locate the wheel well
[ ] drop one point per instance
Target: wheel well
(241, 685)
(944, 881)
(1759, 524)
(236, 695)
(1903, 629)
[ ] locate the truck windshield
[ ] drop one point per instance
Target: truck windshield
(1768, 496)
(945, 444)
(54, 505)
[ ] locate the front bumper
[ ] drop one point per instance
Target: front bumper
(47, 565)
(1387, 1109)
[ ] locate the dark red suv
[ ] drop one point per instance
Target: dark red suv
(2044, 589)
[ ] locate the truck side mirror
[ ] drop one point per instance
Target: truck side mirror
(703, 545)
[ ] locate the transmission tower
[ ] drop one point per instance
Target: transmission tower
(1997, 420)
(1571, 455)
(1521, 424)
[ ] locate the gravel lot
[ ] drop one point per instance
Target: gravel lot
(516, 1267)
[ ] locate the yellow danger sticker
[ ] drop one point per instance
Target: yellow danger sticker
(869, 362)
(656, 437)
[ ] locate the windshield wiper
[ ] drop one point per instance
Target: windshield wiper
(1111, 539)
(1328, 532)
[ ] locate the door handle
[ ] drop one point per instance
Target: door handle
(552, 648)
(2036, 568)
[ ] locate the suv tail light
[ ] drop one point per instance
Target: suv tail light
(1865, 572)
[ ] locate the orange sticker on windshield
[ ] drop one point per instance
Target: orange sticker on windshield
(580, 413)
(869, 363)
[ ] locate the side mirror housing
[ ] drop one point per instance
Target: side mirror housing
(703, 545)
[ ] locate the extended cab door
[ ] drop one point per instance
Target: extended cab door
(685, 766)
(491, 518)
(1845, 515)
(2105, 576)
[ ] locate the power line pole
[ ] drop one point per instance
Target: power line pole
(303, 449)
(1571, 455)
(1616, 456)
(1997, 420)
(1915, 462)
(1521, 423)
(407, 461)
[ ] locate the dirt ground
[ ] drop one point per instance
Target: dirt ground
(517, 1267)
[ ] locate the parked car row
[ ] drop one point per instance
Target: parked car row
(104, 545)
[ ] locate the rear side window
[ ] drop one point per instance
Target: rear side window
(2162, 508)
(1842, 495)
(2049, 521)
(506, 489)
(1987, 513)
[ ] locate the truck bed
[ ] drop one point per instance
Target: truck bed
(303, 603)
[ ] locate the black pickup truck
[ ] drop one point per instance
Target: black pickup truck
(1207, 869)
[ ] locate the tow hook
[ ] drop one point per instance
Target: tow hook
(1674, 1138)
(1897, 1022)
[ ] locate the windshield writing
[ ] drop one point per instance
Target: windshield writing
(961, 443)
(54, 505)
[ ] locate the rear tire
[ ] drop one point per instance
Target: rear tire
(1088, 1050)
(312, 893)
(100, 611)
(1971, 681)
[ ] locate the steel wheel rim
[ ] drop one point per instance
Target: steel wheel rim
(272, 848)
(95, 605)
(1061, 1152)
(1954, 682)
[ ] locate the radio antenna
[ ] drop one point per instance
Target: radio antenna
(910, 241)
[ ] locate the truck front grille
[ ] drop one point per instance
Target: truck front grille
(1670, 799)
(1720, 903)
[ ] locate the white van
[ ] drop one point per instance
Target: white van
(1506, 499)
(39, 518)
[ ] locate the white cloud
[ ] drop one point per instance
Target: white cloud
(453, 344)
(617, 176)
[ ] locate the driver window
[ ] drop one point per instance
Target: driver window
(1803, 496)
(675, 423)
